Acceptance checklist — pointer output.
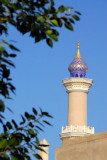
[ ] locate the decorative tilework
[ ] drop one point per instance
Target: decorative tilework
(78, 64)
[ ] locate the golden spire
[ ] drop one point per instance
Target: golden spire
(78, 51)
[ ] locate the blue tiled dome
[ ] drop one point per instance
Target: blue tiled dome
(78, 67)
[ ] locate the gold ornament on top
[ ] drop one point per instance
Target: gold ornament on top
(78, 44)
(78, 51)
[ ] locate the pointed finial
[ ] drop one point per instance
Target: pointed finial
(78, 51)
(78, 44)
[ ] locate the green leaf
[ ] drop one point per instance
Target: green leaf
(54, 37)
(12, 55)
(49, 42)
(31, 117)
(47, 123)
(61, 9)
(49, 31)
(27, 139)
(78, 12)
(60, 22)
(8, 124)
(11, 87)
(6, 61)
(13, 121)
(37, 156)
(4, 53)
(40, 18)
(32, 133)
(5, 156)
(3, 143)
(3, 41)
(40, 147)
(31, 125)
(37, 140)
(39, 128)
(55, 22)
(52, 3)
(2, 106)
(6, 73)
(13, 47)
(14, 157)
(35, 111)
(76, 17)
(2, 116)
(23, 120)
(5, 128)
(18, 138)
(17, 155)
(27, 115)
(69, 8)
(68, 25)
(64, 19)
(71, 20)
(1, 121)
(12, 141)
(10, 45)
(46, 114)
(1, 48)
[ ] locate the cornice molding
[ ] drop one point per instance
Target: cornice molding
(77, 84)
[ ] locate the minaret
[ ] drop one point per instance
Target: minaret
(77, 87)
(44, 153)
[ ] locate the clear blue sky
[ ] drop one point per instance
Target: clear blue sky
(40, 70)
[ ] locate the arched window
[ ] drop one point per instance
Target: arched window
(81, 75)
(76, 75)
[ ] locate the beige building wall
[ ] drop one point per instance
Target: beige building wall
(92, 147)
(77, 109)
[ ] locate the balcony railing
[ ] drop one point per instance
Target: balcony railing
(79, 129)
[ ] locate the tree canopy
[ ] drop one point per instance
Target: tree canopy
(41, 20)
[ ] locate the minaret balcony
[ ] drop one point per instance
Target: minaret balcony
(73, 131)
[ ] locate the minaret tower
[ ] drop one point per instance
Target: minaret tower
(77, 87)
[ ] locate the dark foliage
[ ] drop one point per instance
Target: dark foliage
(41, 20)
